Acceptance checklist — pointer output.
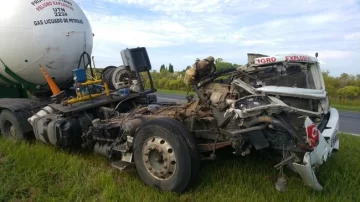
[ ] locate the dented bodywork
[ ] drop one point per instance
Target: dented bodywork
(278, 92)
(327, 142)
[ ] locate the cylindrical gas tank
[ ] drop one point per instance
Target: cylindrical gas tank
(53, 33)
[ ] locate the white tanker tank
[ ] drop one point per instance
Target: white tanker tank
(53, 33)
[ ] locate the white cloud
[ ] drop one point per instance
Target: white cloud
(258, 42)
(215, 24)
(171, 6)
(135, 32)
(353, 36)
(189, 29)
(250, 6)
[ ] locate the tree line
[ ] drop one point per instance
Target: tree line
(169, 79)
(344, 89)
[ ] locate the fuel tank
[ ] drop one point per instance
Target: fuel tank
(51, 33)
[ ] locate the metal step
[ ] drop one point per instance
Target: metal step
(121, 165)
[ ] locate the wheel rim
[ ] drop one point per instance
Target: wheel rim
(9, 129)
(159, 158)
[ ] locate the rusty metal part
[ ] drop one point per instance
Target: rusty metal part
(159, 158)
(192, 108)
(183, 111)
(217, 97)
(128, 125)
(131, 125)
(142, 110)
(200, 69)
(210, 135)
(202, 114)
(216, 87)
(168, 110)
(212, 146)
(260, 119)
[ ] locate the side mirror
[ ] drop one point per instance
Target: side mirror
(136, 58)
(316, 54)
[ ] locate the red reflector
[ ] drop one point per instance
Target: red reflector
(312, 135)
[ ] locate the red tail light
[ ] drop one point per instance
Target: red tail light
(312, 135)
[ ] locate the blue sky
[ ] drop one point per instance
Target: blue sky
(179, 31)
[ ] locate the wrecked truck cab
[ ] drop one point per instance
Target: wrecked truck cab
(294, 79)
(278, 102)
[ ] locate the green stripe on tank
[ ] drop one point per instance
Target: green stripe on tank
(23, 82)
(2, 77)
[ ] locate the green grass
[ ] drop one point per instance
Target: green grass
(345, 105)
(346, 108)
(44, 173)
(345, 102)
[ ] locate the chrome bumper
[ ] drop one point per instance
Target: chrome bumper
(321, 152)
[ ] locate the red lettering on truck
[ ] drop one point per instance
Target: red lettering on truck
(266, 60)
(297, 58)
(44, 5)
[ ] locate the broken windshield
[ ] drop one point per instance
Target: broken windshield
(296, 75)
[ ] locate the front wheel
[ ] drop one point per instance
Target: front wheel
(163, 156)
(10, 126)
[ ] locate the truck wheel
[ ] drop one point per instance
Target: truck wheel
(9, 125)
(194, 152)
(162, 155)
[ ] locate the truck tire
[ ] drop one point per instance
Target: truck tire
(194, 152)
(10, 126)
(163, 156)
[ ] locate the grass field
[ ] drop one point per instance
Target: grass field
(346, 107)
(44, 173)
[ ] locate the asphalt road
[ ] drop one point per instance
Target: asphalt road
(349, 121)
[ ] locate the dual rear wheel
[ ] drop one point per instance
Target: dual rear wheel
(10, 126)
